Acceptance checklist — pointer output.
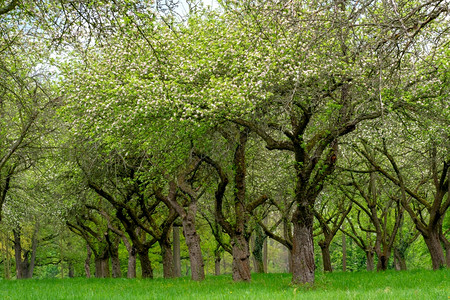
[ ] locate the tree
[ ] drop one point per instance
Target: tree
(237, 229)
(429, 225)
(330, 216)
(301, 76)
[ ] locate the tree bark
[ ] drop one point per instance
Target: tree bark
(102, 266)
(167, 258)
(131, 268)
(115, 265)
(113, 248)
(326, 257)
(303, 265)
(176, 252)
(383, 260)
(146, 265)
(434, 246)
(193, 244)
(258, 248)
(241, 255)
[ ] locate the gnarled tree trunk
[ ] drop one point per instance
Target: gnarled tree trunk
(241, 255)
(193, 244)
(303, 265)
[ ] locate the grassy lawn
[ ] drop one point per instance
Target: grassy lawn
(362, 285)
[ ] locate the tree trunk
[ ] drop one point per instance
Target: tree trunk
(176, 252)
(370, 260)
(303, 265)
(241, 255)
(113, 241)
(102, 266)
(290, 260)
(434, 246)
(258, 249)
(326, 257)
(71, 270)
(193, 244)
(131, 268)
(87, 262)
(383, 260)
(146, 265)
(115, 264)
(167, 258)
(25, 265)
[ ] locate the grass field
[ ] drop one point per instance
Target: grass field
(360, 285)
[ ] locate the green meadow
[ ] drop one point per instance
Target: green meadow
(418, 284)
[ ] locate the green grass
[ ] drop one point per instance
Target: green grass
(360, 285)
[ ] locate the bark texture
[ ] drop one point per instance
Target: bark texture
(433, 243)
(176, 252)
(370, 263)
(102, 266)
(193, 244)
(303, 265)
(167, 258)
(241, 258)
(146, 265)
(258, 247)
